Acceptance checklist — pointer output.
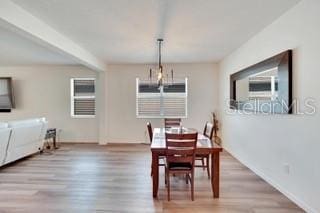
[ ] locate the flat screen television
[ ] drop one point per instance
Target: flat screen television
(6, 94)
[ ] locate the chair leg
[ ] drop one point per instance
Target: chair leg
(202, 161)
(168, 185)
(208, 170)
(192, 186)
(165, 178)
(187, 179)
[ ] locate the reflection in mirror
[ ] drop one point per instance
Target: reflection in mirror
(259, 86)
(264, 87)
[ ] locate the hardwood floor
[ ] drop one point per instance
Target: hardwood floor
(116, 178)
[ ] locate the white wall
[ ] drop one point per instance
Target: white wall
(45, 91)
(122, 124)
(266, 143)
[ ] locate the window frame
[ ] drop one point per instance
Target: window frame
(73, 97)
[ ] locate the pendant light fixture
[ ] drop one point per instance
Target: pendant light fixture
(160, 72)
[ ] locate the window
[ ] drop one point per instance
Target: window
(263, 87)
(153, 102)
(83, 97)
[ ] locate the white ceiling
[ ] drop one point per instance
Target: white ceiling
(125, 31)
(18, 50)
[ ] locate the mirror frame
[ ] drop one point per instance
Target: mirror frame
(284, 63)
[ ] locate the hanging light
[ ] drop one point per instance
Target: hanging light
(160, 74)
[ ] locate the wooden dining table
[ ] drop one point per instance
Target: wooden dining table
(204, 146)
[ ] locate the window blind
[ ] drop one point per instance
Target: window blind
(153, 102)
(83, 97)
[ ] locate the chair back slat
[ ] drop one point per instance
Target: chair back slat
(150, 132)
(208, 130)
(176, 151)
(180, 143)
(172, 122)
(185, 136)
(181, 147)
(175, 159)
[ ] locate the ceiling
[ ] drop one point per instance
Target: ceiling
(125, 31)
(17, 50)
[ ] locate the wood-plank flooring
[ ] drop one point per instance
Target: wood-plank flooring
(116, 178)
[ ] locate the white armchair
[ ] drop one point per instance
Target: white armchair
(26, 138)
(4, 140)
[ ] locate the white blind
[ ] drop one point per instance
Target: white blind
(151, 102)
(174, 105)
(148, 105)
(83, 97)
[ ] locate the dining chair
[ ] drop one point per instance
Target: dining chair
(150, 133)
(180, 157)
(172, 122)
(208, 132)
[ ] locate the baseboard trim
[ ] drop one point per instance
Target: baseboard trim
(127, 142)
(273, 183)
(90, 142)
(78, 142)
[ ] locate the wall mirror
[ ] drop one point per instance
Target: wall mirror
(264, 87)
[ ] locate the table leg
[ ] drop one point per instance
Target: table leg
(215, 173)
(155, 173)
(54, 142)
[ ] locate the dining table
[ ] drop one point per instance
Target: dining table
(204, 146)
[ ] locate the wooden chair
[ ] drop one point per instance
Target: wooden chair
(150, 133)
(172, 122)
(180, 157)
(208, 132)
